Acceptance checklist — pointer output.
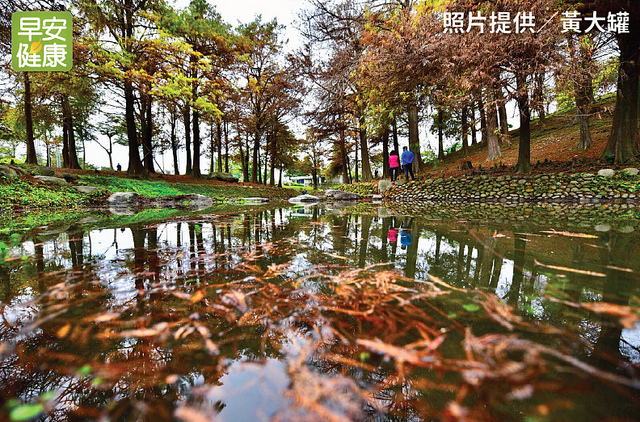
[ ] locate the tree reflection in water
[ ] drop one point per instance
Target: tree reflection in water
(321, 314)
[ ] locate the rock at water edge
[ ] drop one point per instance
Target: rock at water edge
(383, 185)
(87, 189)
(224, 177)
(198, 202)
(123, 199)
(304, 198)
(607, 173)
(8, 172)
(44, 171)
(54, 180)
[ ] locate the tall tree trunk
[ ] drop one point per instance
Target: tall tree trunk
(196, 142)
(135, 164)
(32, 157)
(357, 179)
(465, 133)
(385, 152)
(502, 112)
(493, 145)
(245, 171)
(414, 139)
(196, 118)
(219, 143)
(440, 135)
(226, 146)
(211, 149)
(110, 153)
(364, 148)
(583, 89)
(266, 163)
(272, 170)
(48, 148)
(69, 155)
(246, 159)
(344, 157)
(538, 95)
(396, 144)
(84, 150)
(148, 135)
(524, 148)
(582, 112)
(143, 127)
(623, 140)
(483, 121)
(187, 137)
(68, 122)
(65, 146)
(314, 178)
(272, 155)
(174, 145)
(259, 169)
(472, 124)
(256, 146)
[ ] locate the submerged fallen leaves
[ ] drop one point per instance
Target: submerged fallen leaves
(569, 234)
(628, 316)
(569, 269)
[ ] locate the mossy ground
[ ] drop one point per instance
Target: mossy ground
(24, 193)
(29, 194)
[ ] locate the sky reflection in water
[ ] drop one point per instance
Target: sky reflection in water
(286, 314)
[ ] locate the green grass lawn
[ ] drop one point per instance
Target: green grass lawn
(155, 188)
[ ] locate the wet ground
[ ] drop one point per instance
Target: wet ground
(316, 313)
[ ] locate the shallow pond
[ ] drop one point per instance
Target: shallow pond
(321, 313)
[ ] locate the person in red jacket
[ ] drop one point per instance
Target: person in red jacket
(394, 165)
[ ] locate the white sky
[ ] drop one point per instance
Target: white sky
(244, 11)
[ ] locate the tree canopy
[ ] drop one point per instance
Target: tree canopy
(368, 74)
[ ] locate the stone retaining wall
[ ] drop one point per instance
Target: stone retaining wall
(620, 187)
(624, 218)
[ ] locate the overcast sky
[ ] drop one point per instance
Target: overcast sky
(234, 11)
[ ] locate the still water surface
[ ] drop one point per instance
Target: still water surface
(321, 314)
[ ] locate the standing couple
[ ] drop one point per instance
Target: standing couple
(407, 163)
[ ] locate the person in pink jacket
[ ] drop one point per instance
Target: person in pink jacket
(394, 165)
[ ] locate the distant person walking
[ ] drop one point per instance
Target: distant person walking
(407, 163)
(394, 165)
(119, 167)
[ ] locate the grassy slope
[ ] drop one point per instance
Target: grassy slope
(26, 193)
(183, 185)
(555, 138)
